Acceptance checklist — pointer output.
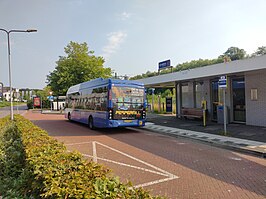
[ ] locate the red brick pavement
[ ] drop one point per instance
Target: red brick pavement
(204, 171)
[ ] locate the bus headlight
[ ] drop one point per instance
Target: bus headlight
(110, 114)
(144, 114)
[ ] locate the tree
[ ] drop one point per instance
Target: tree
(235, 53)
(44, 93)
(79, 65)
(260, 51)
(232, 53)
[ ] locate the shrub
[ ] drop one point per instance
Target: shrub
(30, 104)
(13, 177)
(34, 165)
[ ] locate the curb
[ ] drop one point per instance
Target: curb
(223, 142)
(51, 112)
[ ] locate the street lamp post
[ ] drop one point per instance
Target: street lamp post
(2, 91)
(9, 65)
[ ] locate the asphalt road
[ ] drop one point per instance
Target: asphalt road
(172, 167)
(16, 110)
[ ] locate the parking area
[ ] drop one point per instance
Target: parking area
(121, 161)
(167, 166)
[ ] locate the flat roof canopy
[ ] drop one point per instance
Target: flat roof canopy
(234, 67)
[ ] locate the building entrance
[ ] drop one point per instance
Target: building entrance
(214, 99)
(239, 105)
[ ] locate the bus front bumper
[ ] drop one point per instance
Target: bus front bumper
(125, 123)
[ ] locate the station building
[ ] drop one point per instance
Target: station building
(245, 95)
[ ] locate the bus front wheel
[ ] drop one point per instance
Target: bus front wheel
(91, 126)
(69, 116)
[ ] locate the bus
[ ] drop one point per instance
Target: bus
(107, 103)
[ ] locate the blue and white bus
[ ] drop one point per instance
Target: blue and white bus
(107, 103)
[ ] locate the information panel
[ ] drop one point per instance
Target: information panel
(164, 64)
(222, 82)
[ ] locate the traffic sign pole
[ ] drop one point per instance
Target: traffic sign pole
(225, 119)
(223, 85)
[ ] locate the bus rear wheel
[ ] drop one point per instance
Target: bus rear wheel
(90, 123)
(69, 116)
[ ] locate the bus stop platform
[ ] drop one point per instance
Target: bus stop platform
(240, 137)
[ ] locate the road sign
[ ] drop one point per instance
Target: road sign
(222, 82)
(50, 98)
(164, 64)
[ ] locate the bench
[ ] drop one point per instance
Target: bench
(191, 113)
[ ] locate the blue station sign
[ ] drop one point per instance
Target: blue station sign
(164, 64)
(222, 82)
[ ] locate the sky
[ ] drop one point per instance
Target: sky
(132, 36)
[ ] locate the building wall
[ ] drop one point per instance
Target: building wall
(61, 105)
(6, 95)
(256, 109)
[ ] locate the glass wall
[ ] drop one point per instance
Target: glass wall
(198, 93)
(185, 95)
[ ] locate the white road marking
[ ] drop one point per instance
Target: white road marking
(127, 165)
(155, 182)
(234, 158)
(157, 171)
(78, 143)
(94, 152)
(136, 159)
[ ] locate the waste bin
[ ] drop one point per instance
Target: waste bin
(220, 114)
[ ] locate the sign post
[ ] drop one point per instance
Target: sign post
(223, 84)
(152, 102)
(51, 99)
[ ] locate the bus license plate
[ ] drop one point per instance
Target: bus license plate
(127, 121)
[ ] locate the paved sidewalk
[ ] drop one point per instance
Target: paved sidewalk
(176, 127)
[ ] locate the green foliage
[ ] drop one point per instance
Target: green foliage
(180, 67)
(78, 66)
(198, 63)
(4, 104)
(30, 104)
(13, 177)
(44, 93)
(235, 53)
(260, 51)
(231, 54)
(45, 103)
(34, 165)
(167, 93)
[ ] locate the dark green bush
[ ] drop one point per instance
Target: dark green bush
(13, 176)
(34, 165)
(30, 104)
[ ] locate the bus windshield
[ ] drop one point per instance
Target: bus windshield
(127, 98)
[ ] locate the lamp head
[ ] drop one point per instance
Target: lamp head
(31, 30)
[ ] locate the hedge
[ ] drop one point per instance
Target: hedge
(34, 165)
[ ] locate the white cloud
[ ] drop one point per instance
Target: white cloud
(124, 16)
(114, 41)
